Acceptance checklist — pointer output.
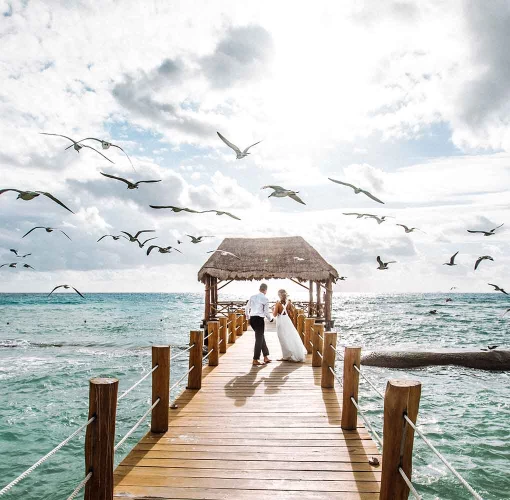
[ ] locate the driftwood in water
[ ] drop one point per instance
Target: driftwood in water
(483, 360)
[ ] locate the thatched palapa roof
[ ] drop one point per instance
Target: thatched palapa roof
(266, 258)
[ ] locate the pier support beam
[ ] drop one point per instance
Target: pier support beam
(195, 359)
(213, 328)
(309, 323)
(352, 356)
(317, 333)
(232, 322)
(328, 360)
(160, 387)
(223, 334)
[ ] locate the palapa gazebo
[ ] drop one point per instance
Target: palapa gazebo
(269, 258)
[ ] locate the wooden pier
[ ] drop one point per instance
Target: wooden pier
(253, 432)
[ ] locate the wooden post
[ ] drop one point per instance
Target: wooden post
(195, 359)
(301, 325)
(239, 324)
(402, 397)
(214, 297)
(232, 328)
(328, 360)
(328, 303)
(160, 387)
(245, 322)
(319, 300)
(309, 322)
(223, 334)
(100, 438)
(317, 344)
(310, 298)
(213, 328)
(352, 356)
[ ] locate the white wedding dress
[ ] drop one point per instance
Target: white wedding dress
(290, 341)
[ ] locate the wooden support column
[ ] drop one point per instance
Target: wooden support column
(245, 322)
(214, 297)
(309, 322)
(195, 359)
(319, 300)
(207, 311)
(100, 438)
(401, 397)
(317, 333)
(328, 360)
(328, 304)
(310, 298)
(160, 387)
(232, 322)
(213, 328)
(352, 356)
(223, 334)
(239, 323)
(301, 325)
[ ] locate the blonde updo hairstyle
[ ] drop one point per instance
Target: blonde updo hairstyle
(283, 295)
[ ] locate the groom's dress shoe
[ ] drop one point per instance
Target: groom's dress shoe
(256, 362)
(267, 360)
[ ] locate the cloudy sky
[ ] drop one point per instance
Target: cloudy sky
(410, 100)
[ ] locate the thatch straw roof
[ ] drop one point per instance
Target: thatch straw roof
(265, 258)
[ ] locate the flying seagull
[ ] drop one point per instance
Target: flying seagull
(507, 311)
(130, 185)
(162, 249)
(198, 239)
(28, 266)
(104, 145)
(486, 233)
(66, 287)
(224, 253)
(12, 264)
(134, 238)
(384, 265)
(408, 229)
(220, 212)
(497, 288)
(358, 216)
(379, 220)
(30, 195)
(77, 146)
(453, 288)
(175, 209)
(141, 244)
(342, 278)
(357, 190)
(484, 257)
(452, 260)
(114, 237)
(19, 256)
(47, 229)
(279, 192)
(239, 154)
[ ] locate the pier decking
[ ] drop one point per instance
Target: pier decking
(253, 432)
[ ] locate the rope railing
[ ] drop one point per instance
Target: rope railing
(124, 394)
(443, 459)
(367, 422)
(208, 354)
(133, 429)
(184, 351)
(78, 488)
(23, 475)
(371, 384)
(336, 350)
(319, 353)
(320, 336)
(412, 489)
(181, 379)
(338, 379)
(219, 343)
(205, 338)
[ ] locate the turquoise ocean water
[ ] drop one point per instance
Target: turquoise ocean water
(48, 352)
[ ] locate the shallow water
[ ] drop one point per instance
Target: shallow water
(48, 352)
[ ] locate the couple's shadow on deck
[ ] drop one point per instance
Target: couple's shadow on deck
(273, 376)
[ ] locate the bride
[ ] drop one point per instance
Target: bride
(290, 341)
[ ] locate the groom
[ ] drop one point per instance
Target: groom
(256, 309)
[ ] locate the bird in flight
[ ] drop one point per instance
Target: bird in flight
(507, 311)
(78, 146)
(358, 216)
(484, 257)
(28, 266)
(175, 209)
(114, 237)
(142, 244)
(224, 253)
(408, 229)
(384, 265)
(279, 192)
(47, 229)
(15, 252)
(379, 220)
(342, 278)
(239, 154)
(357, 190)
(30, 195)
(220, 212)
(497, 288)
(134, 238)
(12, 264)
(130, 185)
(104, 145)
(486, 233)
(198, 239)
(66, 287)
(453, 288)
(162, 249)
(452, 260)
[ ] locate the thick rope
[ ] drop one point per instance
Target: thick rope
(336, 350)
(369, 382)
(123, 395)
(443, 459)
(175, 356)
(207, 355)
(133, 429)
(205, 338)
(72, 496)
(22, 476)
(409, 484)
(319, 353)
(320, 336)
(219, 343)
(338, 379)
(181, 379)
(367, 423)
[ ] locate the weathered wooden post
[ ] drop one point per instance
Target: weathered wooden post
(213, 328)
(232, 328)
(328, 360)
(223, 334)
(160, 387)
(195, 359)
(402, 397)
(245, 321)
(352, 356)
(309, 323)
(317, 333)
(301, 325)
(239, 324)
(100, 438)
